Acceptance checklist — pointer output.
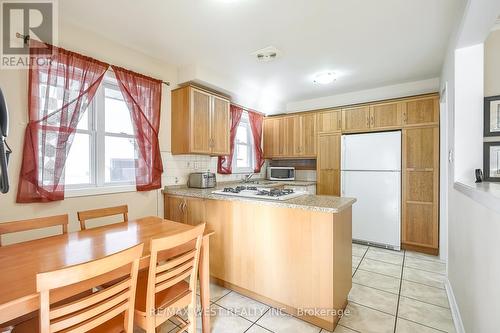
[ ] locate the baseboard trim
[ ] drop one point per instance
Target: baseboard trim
(455, 311)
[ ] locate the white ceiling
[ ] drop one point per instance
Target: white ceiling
(367, 43)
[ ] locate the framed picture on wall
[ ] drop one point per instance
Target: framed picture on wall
(491, 156)
(492, 116)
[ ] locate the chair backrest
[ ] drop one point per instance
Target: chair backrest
(91, 311)
(101, 212)
(33, 224)
(167, 272)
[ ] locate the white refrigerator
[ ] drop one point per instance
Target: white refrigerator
(371, 172)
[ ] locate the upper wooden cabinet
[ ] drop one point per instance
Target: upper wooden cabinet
(290, 136)
(274, 137)
(386, 115)
(200, 122)
(356, 119)
(421, 111)
(329, 121)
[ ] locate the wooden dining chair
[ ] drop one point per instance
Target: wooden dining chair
(33, 224)
(108, 310)
(85, 215)
(162, 291)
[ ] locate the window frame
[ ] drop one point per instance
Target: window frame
(245, 121)
(96, 129)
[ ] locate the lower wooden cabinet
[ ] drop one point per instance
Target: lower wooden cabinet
(420, 220)
(328, 164)
(184, 209)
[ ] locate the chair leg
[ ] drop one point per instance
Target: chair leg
(192, 315)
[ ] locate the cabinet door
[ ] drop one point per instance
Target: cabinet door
(293, 136)
(386, 115)
(268, 129)
(356, 119)
(279, 137)
(328, 165)
(329, 121)
(308, 135)
(195, 211)
(420, 189)
(200, 122)
(175, 209)
(422, 111)
(221, 127)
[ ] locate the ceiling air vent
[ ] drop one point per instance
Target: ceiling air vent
(267, 54)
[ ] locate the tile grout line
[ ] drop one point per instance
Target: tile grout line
(399, 295)
(415, 322)
(424, 284)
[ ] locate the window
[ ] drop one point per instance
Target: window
(243, 157)
(103, 152)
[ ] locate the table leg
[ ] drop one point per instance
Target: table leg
(204, 274)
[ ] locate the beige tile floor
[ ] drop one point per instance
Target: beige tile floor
(392, 291)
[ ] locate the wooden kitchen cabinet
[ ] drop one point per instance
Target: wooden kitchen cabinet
(308, 136)
(200, 122)
(184, 209)
(328, 164)
(420, 220)
(290, 136)
(329, 121)
(356, 119)
(386, 116)
(293, 135)
(421, 111)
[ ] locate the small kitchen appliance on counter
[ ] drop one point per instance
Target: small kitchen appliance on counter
(281, 173)
(202, 180)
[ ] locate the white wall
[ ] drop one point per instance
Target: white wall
(492, 64)
(368, 95)
(473, 265)
(469, 93)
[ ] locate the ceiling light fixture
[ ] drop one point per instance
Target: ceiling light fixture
(325, 78)
(267, 54)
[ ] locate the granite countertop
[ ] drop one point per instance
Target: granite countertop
(320, 203)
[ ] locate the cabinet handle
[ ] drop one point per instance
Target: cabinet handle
(340, 123)
(184, 205)
(367, 121)
(373, 120)
(180, 206)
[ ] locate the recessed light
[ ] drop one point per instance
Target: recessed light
(325, 78)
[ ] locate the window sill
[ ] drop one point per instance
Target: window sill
(92, 191)
(487, 193)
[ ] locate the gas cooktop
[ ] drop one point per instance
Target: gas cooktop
(260, 193)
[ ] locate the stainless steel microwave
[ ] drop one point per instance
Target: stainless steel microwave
(281, 173)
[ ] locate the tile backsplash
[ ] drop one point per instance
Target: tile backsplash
(178, 167)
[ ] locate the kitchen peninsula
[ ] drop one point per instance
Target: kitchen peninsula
(294, 254)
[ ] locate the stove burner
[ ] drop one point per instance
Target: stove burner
(238, 189)
(275, 192)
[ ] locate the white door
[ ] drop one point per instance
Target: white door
(372, 151)
(376, 216)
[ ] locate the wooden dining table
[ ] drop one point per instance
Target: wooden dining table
(20, 263)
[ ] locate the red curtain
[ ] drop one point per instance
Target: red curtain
(225, 163)
(143, 97)
(61, 86)
(256, 120)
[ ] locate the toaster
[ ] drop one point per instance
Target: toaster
(202, 180)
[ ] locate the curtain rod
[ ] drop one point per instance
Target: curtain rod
(247, 109)
(26, 39)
